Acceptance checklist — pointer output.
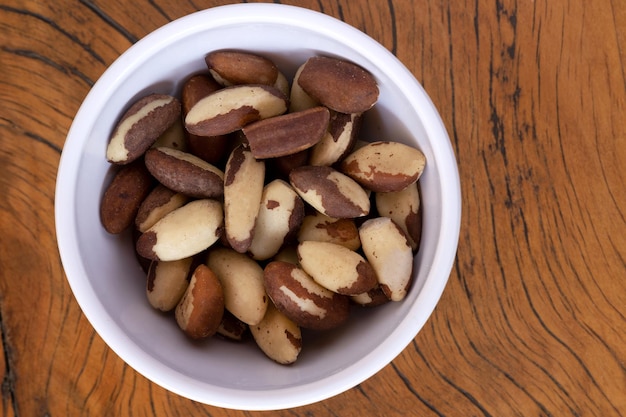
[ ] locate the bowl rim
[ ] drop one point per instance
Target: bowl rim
(65, 210)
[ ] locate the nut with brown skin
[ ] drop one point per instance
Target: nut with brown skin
(231, 328)
(185, 173)
(124, 195)
(232, 67)
(339, 141)
(183, 232)
(209, 148)
(287, 134)
(167, 282)
(322, 228)
(140, 126)
(386, 248)
(338, 84)
(336, 267)
(384, 166)
(330, 192)
(243, 190)
(232, 108)
(373, 298)
(200, 311)
(278, 337)
(280, 215)
(156, 205)
(303, 300)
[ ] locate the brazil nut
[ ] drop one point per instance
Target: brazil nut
(386, 248)
(303, 300)
(336, 267)
(184, 232)
(140, 127)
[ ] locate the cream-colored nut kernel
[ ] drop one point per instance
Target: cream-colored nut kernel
(338, 141)
(298, 99)
(231, 67)
(280, 215)
(278, 337)
(336, 267)
(160, 202)
(184, 232)
(123, 197)
(338, 84)
(242, 280)
(384, 166)
(386, 248)
(282, 84)
(167, 282)
(303, 300)
(330, 192)
(322, 228)
(174, 137)
(200, 311)
(140, 126)
(243, 190)
(185, 173)
(287, 134)
(404, 208)
(231, 108)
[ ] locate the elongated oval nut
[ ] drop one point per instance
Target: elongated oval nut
(201, 309)
(280, 215)
(231, 67)
(336, 267)
(384, 166)
(243, 190)
(184, 232)
(404, 208)
(338, 141)
(167, 282)
(278, 337)
(338, 84)
(298, 98)
(123, 197)
(185, 173)
(287, 134)
(322, 228)
(330, 192)
(386, 248)
(242, 280)
(231, 108)
(303, 300)
(140, 126)
(160, 202)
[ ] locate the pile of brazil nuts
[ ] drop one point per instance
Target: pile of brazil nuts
(256, 209)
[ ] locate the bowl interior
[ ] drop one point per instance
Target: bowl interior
(109, 284)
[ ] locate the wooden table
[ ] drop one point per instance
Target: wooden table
(533, 320)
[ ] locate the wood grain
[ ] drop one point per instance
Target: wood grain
(533, 320)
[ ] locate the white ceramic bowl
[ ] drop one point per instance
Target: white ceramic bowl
(110, 287)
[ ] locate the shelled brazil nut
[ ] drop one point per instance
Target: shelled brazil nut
(256, 204)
